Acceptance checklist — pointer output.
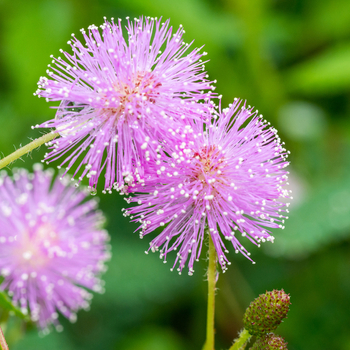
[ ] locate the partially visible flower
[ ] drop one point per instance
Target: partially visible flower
(51, 245)
(228, 178)
(122, 92)
(266, 312)
(270, 342)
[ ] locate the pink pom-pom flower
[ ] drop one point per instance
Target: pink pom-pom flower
(52, 247)
(119, 97)
(225, 178)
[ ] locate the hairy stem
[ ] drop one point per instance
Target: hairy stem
(209, 344)
(3, 344)
(241, 342)
(27, 148)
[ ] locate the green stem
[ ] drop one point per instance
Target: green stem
(3, 344)
(209, 343)
(27, 148)
(241, 342)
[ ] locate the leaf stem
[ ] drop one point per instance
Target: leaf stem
(209, 344)
(27, 148)
(3, 344)
(241, 342)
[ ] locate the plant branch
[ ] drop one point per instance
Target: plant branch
(27, 148)
(3, 344)
(242, 341)
(209, 344)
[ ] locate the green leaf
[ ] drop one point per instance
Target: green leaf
(330, 19)
(320, 220)
(5, 303)
(327, 73)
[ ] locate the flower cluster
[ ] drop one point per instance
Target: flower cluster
(226, 177)
(193, 168)
(51, 245)
(119, 98)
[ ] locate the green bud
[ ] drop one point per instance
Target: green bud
(270, 342)
(266, 312)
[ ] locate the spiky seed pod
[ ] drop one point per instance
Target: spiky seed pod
(266, 312)
(270, 342)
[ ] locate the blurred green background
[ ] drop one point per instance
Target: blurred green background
(290, 59)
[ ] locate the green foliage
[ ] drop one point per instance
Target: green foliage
(6, 304)
(55, 341)
(153, 338)
(327, 73)
(322, 218)
(290, 59)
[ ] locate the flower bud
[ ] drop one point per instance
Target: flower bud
(266, 312)
(270, 342)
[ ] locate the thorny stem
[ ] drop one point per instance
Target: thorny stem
(3, 344)
(242, 341)
(27, 148)
(209, 343)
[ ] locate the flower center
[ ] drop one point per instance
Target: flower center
(131, 95)
(33, 246)
(208, 164)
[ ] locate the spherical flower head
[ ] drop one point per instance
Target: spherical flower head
(266, 312)
(119, 97)
(227, 180)
(51, 246)
(270, 342)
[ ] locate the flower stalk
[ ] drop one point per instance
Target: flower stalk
(209, 344)
(27, 148)
(3, 344)
(242, 341)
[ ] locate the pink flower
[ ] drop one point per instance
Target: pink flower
(125, 93)
(51, 246)
(227, 179)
